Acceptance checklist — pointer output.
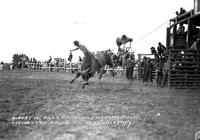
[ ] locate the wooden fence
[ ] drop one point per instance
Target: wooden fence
(67, 66)
(64, 66)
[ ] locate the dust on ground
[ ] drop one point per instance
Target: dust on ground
(37, 105)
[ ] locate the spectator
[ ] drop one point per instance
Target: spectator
(159, 73)
(49, 61)
(143, 66)
(177, 13)
(34, 60)
(132, 56)
(166, 69)
(182, 11)
(148, 72)
(153, 51)
(196, 44)
(1, 65)
(181, 29)
(161, 49)
(109, 51)
(194, 32)
(129, 68)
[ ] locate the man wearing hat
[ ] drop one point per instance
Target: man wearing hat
(153, 51)
(161, 49)
(87, 62)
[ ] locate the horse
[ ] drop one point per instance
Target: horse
(92, 63)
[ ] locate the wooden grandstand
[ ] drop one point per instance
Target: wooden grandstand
(184, 61)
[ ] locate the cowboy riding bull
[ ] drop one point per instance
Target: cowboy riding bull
(92, 63)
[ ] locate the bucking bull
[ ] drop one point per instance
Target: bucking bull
(92, 63)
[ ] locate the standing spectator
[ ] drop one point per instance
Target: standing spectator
(143, 66)
(1, 65)
(166, 69)
(159, 72)
(34, 60)
(148, 72)
(161, 49)
(49, 61)
(129, 64)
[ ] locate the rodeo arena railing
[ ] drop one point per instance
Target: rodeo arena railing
(61, 67)
(71, 67)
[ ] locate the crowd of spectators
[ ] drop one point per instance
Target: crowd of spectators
(160, 65)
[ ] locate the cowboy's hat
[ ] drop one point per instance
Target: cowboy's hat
(76, 43)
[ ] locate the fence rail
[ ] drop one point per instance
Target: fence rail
(61, 66)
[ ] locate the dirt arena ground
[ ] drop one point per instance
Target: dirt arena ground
(44, 106)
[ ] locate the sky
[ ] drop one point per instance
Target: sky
(40, 28)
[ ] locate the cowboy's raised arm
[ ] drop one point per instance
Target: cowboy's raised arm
(74, 50)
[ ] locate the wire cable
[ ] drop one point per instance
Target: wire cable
(147, 34)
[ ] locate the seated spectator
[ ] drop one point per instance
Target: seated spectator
(153, 50)
(196, 44)
(181, 29)
(182, 11)
(177, 13)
